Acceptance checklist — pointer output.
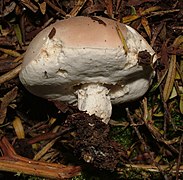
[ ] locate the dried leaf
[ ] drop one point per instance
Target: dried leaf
(10, 52)
(145, 24)
(5, 101)
(159, 82)
(163, 33)
(170, 78)
(8, 9)
(171, 72)
(52, 121)
(173, 93)
(17, 124)
(137, 2)
(178, 41)
(180, 71)
(42, 7)
(158, 159)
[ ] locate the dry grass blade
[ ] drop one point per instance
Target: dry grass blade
(145, 24)
(150, 10)
(180, 70)
(154, 130)
(160, 13)
(147, 11)
(145, 146)
(10, 75)
(10, 52)
(130, 18)
(123, 41)
(17, 124)
(159, 82)
(44, 149)
(180, 158)
(18, 33)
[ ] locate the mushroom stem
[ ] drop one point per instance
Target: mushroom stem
(94, 99)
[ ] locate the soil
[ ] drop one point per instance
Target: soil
(91, 142)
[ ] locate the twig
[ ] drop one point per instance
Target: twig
(179, 159)
(159, 137)
(12, 162)
(136, 130)
(77, 8)
(48, 136)
(144, 144)
(55, 7)
(151, 168)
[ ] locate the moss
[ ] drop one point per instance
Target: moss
(122, 135)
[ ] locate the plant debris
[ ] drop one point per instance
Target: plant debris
(144, 138)
(5, 101)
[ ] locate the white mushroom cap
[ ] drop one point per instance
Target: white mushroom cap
(81, 60)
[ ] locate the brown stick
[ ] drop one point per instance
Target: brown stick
(12, 162)
(55, 7)
(10, 75)
(151, 168)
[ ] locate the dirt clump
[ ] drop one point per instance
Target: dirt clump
(92, 143)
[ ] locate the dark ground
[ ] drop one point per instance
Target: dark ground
(126, 147)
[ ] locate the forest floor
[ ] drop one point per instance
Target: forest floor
(41, 139)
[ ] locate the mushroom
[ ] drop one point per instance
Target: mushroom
(91, 62)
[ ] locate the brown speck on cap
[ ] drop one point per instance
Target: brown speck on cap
(52, 33)
(98, 20)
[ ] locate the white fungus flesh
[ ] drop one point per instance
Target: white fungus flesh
(82, 61)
